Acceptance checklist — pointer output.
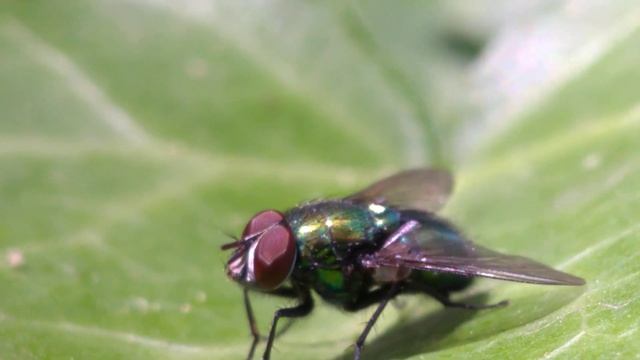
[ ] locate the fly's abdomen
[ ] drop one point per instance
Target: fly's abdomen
(435, 234)
(441, 281)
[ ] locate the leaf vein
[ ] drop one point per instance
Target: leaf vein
(79, 81)
(128, 337)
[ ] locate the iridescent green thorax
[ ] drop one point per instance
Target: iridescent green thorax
(327, 233)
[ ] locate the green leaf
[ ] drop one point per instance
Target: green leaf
(134, 134)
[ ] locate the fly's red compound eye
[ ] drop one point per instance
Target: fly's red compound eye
(261, 221)
(266, 253)
(274, 257)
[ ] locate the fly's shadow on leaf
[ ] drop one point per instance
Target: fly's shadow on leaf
(431, 332)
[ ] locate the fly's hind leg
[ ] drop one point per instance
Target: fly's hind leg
(443, 298)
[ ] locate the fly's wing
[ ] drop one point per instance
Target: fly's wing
(418, 189)
(440, 247)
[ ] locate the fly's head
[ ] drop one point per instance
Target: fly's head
(265, 255)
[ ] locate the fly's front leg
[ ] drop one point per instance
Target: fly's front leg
(302, 309)
(252, 324)
(286, 292)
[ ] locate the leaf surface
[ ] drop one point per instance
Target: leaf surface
(133, 134)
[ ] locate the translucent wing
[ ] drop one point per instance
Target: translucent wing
(419, 189)
(437, 246)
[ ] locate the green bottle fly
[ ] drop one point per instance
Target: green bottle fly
(368, 248)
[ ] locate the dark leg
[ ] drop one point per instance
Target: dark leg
(391, 292)
(286, 292)
(302, 309)
(252, 324)
(443, 298)
(281, 330)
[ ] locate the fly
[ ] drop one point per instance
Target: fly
(368, 248)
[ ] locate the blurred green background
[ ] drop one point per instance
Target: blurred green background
(134, 133)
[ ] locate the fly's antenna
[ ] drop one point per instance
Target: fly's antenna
(231, 245)
(240, 242)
